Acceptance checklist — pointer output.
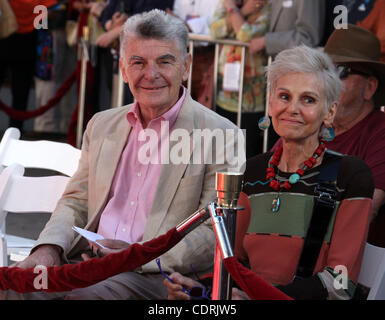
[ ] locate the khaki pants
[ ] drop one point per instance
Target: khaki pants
(124, 286)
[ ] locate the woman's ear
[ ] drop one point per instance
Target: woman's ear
(330, 114)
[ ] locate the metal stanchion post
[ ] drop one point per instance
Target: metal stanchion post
(266, 132)
(240, 92)
(223, 216)
(82, 86)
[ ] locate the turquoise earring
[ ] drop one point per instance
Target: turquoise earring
(328, 133)
(264, 123)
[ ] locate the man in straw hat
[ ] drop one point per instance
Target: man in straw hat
(359, 124)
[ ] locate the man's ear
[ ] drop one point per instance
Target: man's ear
(123, 70)
(186, 67)
(370, 87)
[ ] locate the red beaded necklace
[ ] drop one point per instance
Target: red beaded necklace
(295, 177)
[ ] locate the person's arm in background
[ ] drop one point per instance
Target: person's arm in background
(307, 28)
(80, 5)
(234, 19)
(377, 202)
(112, 25)
(96, 8)
(108, 12)
(219, 27)
(375, 159)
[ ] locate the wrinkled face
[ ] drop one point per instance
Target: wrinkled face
(297, 107)
(154, 70)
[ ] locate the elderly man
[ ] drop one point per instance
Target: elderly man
(127, 195)
(359, 124)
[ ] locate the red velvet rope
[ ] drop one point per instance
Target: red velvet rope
(84, 274)
(24, 115)
(255, 287)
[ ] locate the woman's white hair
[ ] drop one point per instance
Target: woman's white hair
(155, 24)
(303, 59)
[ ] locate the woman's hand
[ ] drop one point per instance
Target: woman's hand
(175, 290)
(239, 295)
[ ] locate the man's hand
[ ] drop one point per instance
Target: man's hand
(112, 245)
(257, 44)
(96, 8)
(228, 4)
(175, 291)
(252, 6)
(46, 255)
(118, 19)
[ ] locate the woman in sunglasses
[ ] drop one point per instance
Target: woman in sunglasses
(307, 208)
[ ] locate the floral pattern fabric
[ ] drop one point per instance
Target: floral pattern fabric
(255, 25)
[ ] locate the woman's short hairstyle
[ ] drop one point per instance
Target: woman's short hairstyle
(155, 24)
(303, 59)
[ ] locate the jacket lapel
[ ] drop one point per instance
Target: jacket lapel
(108, 160)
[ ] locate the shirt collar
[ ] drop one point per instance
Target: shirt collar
(170, 115)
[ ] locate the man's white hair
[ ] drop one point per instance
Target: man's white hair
(155, 24)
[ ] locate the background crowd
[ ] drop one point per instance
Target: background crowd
(42, 59)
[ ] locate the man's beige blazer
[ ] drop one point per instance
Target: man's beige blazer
(182, 189)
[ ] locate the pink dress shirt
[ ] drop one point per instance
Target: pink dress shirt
(134, 184)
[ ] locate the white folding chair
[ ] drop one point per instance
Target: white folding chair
(42, 154)
(19, 193)
(372, 274)
(57, 156)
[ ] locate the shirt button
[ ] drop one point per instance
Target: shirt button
(139, 174)
(132, 203)
(124, 229)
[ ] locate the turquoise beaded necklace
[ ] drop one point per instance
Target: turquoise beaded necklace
(294, 178)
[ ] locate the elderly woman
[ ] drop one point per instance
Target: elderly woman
(307, 208)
